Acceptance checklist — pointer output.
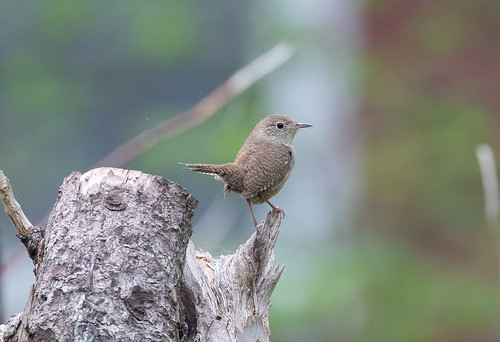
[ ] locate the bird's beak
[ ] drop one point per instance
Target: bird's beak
(302, 125)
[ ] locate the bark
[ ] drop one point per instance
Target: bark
(231, 294)
(115, 264)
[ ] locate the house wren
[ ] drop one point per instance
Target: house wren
(263, 163)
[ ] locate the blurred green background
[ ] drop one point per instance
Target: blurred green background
(385, 237)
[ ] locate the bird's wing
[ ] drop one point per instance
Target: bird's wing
(266, 169)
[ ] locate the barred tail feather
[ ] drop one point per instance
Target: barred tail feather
(230, 173)
(210, 169)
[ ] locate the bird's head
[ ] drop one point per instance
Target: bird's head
(279, 128)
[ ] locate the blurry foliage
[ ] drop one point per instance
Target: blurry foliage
(424, 121)
(440, 29)
(163, 31)
(382, 290)
(427, 168)
(71, 71)
(33, 84)
(428, 105)
(62, 20)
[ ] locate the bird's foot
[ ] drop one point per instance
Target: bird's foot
(277, 209)
(280, 211)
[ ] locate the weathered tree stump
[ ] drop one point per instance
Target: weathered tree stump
(115, 264)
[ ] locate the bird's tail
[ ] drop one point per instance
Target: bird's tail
(230, 173)
(211, 169)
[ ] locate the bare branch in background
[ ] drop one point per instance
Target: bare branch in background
(490, 183)
(232, 87)
(489, 177)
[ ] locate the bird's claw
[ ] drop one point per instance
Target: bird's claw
(280, 211)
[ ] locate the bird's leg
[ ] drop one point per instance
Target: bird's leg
(279, 210)
(251, 210)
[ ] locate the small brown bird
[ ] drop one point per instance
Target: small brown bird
(263, 163)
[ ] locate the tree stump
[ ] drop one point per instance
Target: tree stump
(115, 264)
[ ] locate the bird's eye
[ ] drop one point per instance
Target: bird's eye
(279, 125)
